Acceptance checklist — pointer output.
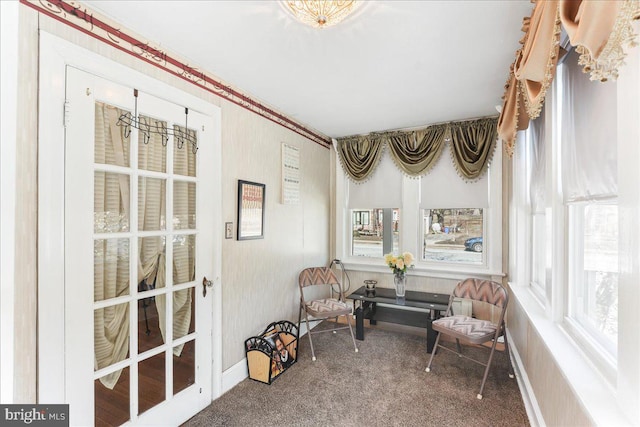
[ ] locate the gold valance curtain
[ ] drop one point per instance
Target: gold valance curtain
(472, 146)
(598, 29)
(415, 152)
(360, 155)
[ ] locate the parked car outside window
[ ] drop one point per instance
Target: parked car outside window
(473, 244)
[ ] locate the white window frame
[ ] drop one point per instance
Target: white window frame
(587, 338)
(539, 255)
(540, 291)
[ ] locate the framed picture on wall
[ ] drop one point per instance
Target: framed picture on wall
(250, 210)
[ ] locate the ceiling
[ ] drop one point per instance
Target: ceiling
(391, 65)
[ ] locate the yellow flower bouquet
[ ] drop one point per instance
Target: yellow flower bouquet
(399, 263)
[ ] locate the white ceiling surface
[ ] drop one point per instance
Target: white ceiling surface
(391, 65)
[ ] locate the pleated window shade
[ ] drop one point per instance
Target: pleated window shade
(537, 141)
(382, 190)
(589, 135)
(443, 188)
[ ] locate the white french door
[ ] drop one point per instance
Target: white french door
(139, 252)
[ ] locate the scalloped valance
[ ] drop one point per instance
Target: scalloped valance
(360, 155)
(415, 152)
(598, 29)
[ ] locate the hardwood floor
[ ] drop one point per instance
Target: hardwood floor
(112, 405)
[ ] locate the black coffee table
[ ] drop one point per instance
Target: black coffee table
(415, 309)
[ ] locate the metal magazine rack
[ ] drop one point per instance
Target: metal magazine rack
(272, 352)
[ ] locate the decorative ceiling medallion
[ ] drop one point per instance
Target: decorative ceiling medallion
(321, 13)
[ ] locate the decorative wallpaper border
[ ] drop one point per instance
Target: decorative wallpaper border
(89, 22)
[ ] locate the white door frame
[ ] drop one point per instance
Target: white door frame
(9, 35)
(55, 55)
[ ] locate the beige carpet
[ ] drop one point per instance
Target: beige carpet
(383, 385)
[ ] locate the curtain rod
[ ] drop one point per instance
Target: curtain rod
(415, 128)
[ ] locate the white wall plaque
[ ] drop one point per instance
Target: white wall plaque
(290, 175)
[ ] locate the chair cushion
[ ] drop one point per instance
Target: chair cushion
(465, 327)
(328, 307)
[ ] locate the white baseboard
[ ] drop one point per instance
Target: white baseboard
(528, 396)
(238, 372)
(234, 375)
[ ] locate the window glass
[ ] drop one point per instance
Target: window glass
(540, 222)
(453, 235)
(375, 232)
(594, 266)
(540, 254)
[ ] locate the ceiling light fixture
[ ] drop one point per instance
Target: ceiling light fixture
(319, 13)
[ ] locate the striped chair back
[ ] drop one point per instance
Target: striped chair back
(482, 290)
(317, 276)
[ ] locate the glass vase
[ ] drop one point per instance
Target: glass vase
(400, 282)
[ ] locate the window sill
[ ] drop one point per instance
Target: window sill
(448, 271)
(595, 394)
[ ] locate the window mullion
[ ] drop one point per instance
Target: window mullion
(558, 234)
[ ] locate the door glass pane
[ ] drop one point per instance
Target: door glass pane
(151, 382)
(182, 312)
(184, 258)
(184, 153)
(184, 366)
(111, 337)
(111, 268)
(184, 205)
(152, 149)
(112, 402)
(110, 202)
(152, 202)
(149, 332)
(152, 268)
(112, 140)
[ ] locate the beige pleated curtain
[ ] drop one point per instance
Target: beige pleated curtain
(416, 152)
(111, 273)
(599, 30)
(184, 257)
(111, 269)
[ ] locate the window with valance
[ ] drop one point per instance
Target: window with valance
(445, 165)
